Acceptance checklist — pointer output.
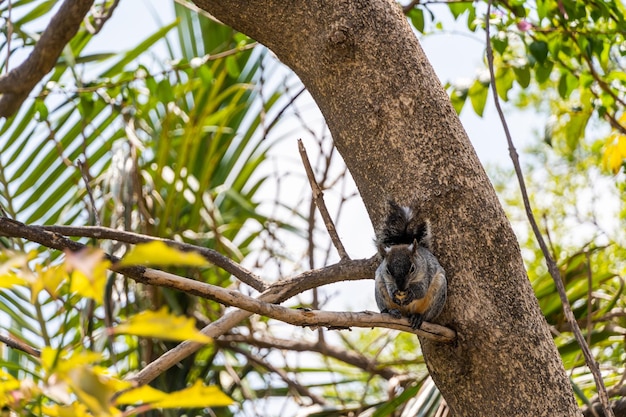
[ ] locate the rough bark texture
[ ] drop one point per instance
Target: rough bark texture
(394, 126)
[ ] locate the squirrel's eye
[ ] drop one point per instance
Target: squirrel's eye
(412, 270)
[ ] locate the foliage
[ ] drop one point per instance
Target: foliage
(67, 378)
(566, 57)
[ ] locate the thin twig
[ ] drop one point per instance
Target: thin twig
(552, 266)
(14, 343)
(296, 386)
(102, 18)
(318, 197)
(349, 356)
(85, 174)
(589, 297)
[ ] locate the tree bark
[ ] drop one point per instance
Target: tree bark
(392, 122)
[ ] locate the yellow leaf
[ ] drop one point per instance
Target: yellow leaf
(198, 395)
(75, 409)
(89, 272)
(66, 361)
(75, 372)
(162, 325)
(49, 279)
(158, 253)
(140, 395)
(614, 153)
(9, 280)
(621, 145)
(11, 262)
(95, 389)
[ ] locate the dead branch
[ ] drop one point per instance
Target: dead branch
(216, 258)
(318, 198)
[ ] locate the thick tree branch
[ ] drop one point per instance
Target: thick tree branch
(19, 82)
(395, 128)
(309, 318)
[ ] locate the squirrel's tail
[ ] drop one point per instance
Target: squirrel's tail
(403, 227)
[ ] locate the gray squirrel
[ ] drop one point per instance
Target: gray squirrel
(410, 282)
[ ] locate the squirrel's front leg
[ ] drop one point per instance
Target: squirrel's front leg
(393, 312)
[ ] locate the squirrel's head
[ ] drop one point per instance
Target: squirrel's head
(400, 264)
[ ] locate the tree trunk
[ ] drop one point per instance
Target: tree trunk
(392, 122)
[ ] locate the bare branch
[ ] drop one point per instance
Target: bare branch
(318, 197)
(104, 15)
(309, 318)
(84, 170)
(18, 83)
(216, 258)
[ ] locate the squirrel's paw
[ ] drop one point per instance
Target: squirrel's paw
(416, 321)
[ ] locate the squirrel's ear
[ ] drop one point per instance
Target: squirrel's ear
(423, 235)
(413, 246)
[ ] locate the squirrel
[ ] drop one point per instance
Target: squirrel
(410, 282)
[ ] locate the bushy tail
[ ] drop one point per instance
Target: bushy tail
(403, 227)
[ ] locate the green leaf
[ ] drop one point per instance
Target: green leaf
(458, 8)
(542, 72)
(539, 51)
(567, 84)
(504, 82)
(575, 129)
(500, 44)
(417, 19)
(522, 75)
(232, 67)
(388, 408)
(542, 9)
(478, 96)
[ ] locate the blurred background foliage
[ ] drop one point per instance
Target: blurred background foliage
(178, 145)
